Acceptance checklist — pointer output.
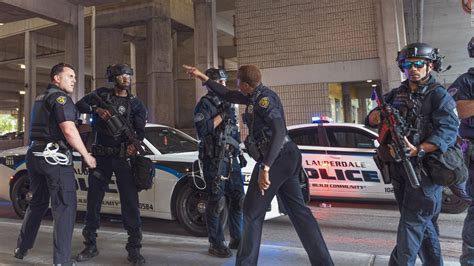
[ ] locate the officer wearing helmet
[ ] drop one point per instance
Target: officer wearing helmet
(429, 124)
(463, 90)
(113, 152)
(216, 124)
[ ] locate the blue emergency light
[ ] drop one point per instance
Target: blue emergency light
(321, 119)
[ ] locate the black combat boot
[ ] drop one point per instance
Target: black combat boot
(133, 248)
(135, 257)
(19, 253)
(90, 250)
(219, 250)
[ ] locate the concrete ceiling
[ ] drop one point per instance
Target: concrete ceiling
(50, 49)
(11, 13)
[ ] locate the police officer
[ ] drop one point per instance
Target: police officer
(428, 112)
(53, 134)
(216, 124)
(113, 150)
(277, 170)
(463, 88)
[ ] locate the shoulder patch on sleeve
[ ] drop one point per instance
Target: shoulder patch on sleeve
(452, 91)
(198, 117)
(264, 102)
(61, 100)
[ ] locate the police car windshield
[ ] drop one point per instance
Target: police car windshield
(168, 140)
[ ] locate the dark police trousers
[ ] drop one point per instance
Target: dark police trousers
(417, 234)
(58, 183)
(231, 190)
(467, 257)
(284, 178)
(98, 185)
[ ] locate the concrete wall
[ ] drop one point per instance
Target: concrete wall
(448, 27)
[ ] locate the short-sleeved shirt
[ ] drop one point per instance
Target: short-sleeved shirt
(49, 110)
(463, 89)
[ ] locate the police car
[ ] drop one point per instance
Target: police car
(338, 160)
(178, 192)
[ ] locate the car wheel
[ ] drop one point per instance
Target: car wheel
(191, 210)
(452, 203)
(21, 195)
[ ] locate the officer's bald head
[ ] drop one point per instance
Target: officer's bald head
(250, 74)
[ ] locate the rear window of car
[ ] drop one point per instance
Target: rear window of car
(347, 137)
(169, 140)
(305, 136)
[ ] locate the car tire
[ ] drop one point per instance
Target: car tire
(191, 206)
(21, 195)
(452, 203)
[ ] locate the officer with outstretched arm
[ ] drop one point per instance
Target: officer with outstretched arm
(277, 170)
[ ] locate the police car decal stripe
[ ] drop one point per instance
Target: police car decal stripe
(169, 170)
(178, 169)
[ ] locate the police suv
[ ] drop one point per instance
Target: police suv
(178, 192)
(338, 160)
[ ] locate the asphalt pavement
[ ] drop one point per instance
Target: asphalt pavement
(163, 249)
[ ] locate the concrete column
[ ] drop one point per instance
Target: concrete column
(185, 87)
(30, 78)
(205, 38)
(346, 103)
(362, 110)
(391, 38)
(21, 112)
(74, 54)
(160, 93)
(108, 51)
(140, 69)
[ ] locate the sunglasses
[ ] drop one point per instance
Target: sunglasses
(418, 64)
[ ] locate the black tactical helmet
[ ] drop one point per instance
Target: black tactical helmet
(470, 47)
(117, 70)
(420, 50)
(216, 74)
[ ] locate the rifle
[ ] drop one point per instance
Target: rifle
(225, 142)
(392, 125)
(118, 123)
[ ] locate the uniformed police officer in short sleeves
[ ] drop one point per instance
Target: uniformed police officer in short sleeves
(277, 169)
(53, 134)
(463, 88)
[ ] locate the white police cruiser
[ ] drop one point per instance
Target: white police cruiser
(338, 160)
(174, 195)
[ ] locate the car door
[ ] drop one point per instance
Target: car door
(310, 142)
(352, 172)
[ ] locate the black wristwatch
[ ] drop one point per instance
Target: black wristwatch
(421, 153)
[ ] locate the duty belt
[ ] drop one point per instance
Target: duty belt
(100, 150)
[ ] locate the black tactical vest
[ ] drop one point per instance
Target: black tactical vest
(40, 128)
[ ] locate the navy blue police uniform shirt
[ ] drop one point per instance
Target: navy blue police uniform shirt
(137, 116)
(442, 114)
(268, 115)
(204, 112)
(61, 109)
(463, 89)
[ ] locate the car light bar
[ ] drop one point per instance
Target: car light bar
(321, 119)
